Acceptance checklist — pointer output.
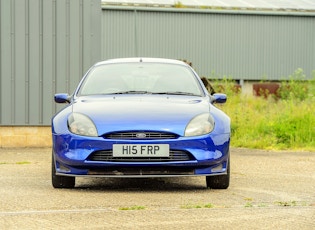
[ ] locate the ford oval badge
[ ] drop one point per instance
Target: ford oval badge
(141, 135)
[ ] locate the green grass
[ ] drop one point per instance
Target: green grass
(283, 123)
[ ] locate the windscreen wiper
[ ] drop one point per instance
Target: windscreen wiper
(132, 92)
(177, 93)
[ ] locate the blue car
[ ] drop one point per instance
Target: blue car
(138, 118)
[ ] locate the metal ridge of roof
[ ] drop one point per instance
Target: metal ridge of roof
(244, 5)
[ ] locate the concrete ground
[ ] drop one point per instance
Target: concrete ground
(268, 190)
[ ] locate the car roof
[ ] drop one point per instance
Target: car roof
(141, 59)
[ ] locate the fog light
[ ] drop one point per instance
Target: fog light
(217, 168)
(63, 168)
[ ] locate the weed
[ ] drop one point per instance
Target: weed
(227, 85)
(22, 162)
(249, 205)
(18, 163)
(262, 205)
(296, 87)
(286, 204)
(186, 206)
(179, 5)
(132, 208)
(209, 205)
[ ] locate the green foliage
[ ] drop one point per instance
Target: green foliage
(226, 85)
(295, 88)
(272, 123)
(294, 125)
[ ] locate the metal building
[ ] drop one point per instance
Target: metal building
(46, 46)
(239, 44)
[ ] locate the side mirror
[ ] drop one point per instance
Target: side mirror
(62, 98)
(219, 98)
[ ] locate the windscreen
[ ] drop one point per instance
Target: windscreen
(151, 78)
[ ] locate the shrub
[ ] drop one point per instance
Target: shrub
(296, 87)
(226, 85)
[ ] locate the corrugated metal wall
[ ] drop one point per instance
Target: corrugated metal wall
(241, 45)
(46, 46)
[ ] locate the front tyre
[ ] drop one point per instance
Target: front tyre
(221, 181)
(60, 181)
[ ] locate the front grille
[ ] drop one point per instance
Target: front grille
(140, 135)
(107, 155)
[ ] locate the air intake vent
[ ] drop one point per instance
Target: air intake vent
(140, 135)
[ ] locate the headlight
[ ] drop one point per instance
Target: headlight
(81, 125)
(200, 125)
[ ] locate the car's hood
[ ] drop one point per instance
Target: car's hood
(147, 112)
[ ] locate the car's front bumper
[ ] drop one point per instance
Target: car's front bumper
(208, 155)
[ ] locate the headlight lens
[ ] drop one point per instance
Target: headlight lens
(81, 125)
(200, 125)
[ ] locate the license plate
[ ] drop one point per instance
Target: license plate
(121, 150)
